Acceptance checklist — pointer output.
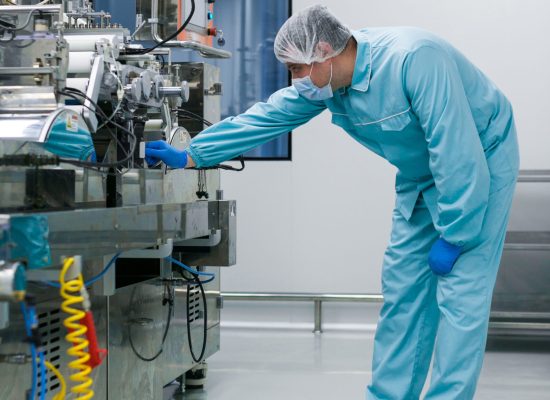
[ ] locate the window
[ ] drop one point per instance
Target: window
(253, 73)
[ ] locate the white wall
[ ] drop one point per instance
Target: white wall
(321, 222)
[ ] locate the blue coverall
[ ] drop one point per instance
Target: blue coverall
(419, 103)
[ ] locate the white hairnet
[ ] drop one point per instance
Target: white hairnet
(297, 40)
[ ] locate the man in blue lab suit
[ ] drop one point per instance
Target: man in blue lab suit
(415, 100)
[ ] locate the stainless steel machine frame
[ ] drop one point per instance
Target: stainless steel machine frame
(140, 213)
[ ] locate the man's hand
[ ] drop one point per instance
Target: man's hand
(160, 150)
(443, 256)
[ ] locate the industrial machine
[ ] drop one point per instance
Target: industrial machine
(109, 266)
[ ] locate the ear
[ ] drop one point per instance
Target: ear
(324, 48)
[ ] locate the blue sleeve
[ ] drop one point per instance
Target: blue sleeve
(283, 111)
(457, 160)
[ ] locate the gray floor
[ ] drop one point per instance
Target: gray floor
(295, 364)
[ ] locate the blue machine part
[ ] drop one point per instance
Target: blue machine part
(4, 239)
(20, 280)
(69, 137)
(29, 240)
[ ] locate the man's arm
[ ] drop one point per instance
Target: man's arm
(457, 161)
(284, 111)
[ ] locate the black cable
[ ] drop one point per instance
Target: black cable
(6, 24)
(226, 167)
(97, 113)
(170, 301)
(175, 34)
(197, 117)
(196, 280)
(194, 116)
(72, 92)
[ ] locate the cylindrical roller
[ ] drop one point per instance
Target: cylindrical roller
(81, 62)
(78, 83)
(154, 125)
(181, 91)
(87, 42)
(12, 281)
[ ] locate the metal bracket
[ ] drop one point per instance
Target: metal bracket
(163, 251)
(211, 241)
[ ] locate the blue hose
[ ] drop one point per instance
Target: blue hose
(33, 350)
(192, 271)
(33, 321)
(92, 280)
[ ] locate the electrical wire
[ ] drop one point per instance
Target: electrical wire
(72, 93)
(168, 299)
(194, 116)
(71, 293)
(31, 12)
(197, 117)
(63, 391)
(104, 123)
(175, 34)
(33, 324)
(121, 87)
(34, 372)
(98, 109)
(191, 270)
(92, 280)
(188, 316)
(33, 351)
(205, 324)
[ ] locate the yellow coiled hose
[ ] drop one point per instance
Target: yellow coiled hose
(70, 291)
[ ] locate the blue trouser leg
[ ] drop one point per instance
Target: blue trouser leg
(464, 299)
(417, 304)
(408, 320)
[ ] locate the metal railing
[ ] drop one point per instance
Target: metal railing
(507, 320)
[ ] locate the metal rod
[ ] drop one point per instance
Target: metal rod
(534, 175)
(364, 298)
(526, 246)
(204, 50)
(319, 298)
(520, 315)
(538, 326)
(318, 327)
(26, 70)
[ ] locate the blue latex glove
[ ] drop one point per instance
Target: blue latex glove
(160, 150)
(443, 256)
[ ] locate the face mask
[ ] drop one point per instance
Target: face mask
(307, 88)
